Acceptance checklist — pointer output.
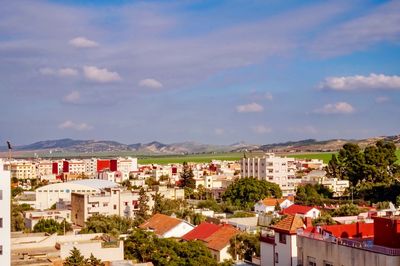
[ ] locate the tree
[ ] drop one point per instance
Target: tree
(277, 206)
(334, 168)
(244, 246)
(17, 217)
(93, 261)
(245, 192)
(143, 213)
(352, 160)
(324, 219)
(187, 177)
(104, 224)
(347, 210)
(75, 258)
(51, 226)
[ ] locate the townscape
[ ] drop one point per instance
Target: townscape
(261, 210)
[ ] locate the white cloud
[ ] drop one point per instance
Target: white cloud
(336, 108)
(73, 97)
(249, 108)
(62, 72)
(261, 129)
(269, 96)
(68, 124)
(101, 75)
(67, 72)
(82, 42)
(379, 26)
(381, 99)
(219, 131)
(150, 83)
(358, 82)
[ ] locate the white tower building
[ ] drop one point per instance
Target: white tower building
(5, 215)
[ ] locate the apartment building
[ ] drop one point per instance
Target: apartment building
(44, 168)
(110, 201)
(5, 219)
(90, 167)
(23, 170)
(267, 166)
(127, 165)
(31, 218)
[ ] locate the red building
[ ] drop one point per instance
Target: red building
(103, 165)
(387, 231)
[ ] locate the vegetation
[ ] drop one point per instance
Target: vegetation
(347, 210)
(143, 213)
(114, 225)
(242, 214)
(76, 259)
(187, 177)
(51, 226)
(143, 246)
(17, 217)
(312, 195)
(245, 246)
(245, 192)
(324, 219)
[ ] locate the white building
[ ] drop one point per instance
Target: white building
(279, 246)
(165, 226)
(31, 218)
(127, 165)
(90, 167)
(268, 205)
(5, 226)
(337, 186)
(48, 195)
(267, 166)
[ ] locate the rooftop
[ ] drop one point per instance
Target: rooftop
(221, 238)
(201, 232)
(160, 223)
(297, 209)
(289, 224)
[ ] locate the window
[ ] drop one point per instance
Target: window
(126, 203)
(115, 207)
(1, 222)
(282, 238)
(276, 257)
(1, 194)
(328, 263)
(311, 261)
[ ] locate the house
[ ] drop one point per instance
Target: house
(216, 238)
(268, 205)
(219, 242)
(278, 246)
(165, 226)
(303, 211)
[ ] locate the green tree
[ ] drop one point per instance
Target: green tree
(334, 168)
(245, 246)
(245, 192)
(17, 217)
(352, 160)
(51, 226)
(93, 261)
(324, 219)
(347, 210)
(143, 212)
(105, 224)
(187, 177)
(75, 258)
(312, 194)
(158, 203)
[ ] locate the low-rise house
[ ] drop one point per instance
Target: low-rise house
(269, 204)
(165, 226)
(278, 246)
(302, 211)
(31, 218)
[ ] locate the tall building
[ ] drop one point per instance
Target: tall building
(5, 225)
(267, 166)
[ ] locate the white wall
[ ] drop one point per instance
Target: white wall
(179, 230)
(266, 254)
(5, 230)
(88, 248)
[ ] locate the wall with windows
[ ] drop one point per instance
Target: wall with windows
(5, 213)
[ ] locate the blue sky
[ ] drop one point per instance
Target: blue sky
(207, 71)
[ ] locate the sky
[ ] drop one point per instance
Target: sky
(217, 72)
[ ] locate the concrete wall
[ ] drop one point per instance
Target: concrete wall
(324, 251)
(267, 254)
(95, 248)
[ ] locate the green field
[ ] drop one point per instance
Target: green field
(197, 158)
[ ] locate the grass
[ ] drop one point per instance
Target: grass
(198, 158)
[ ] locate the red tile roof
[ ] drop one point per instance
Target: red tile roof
(294, 209)
(221, 238)
(160, 224)
(271, 202)
(201, 232)
(289, 224)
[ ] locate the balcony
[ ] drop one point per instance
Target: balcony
(363, 244)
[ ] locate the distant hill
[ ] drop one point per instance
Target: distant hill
(158, 148)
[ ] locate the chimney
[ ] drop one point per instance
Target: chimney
(308, 222)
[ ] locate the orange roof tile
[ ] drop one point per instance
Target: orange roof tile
(160, 223)
(221, 238)
(271, 202)
(289, 224)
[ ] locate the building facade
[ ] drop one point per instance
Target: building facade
(5, 219)
(268, 167)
